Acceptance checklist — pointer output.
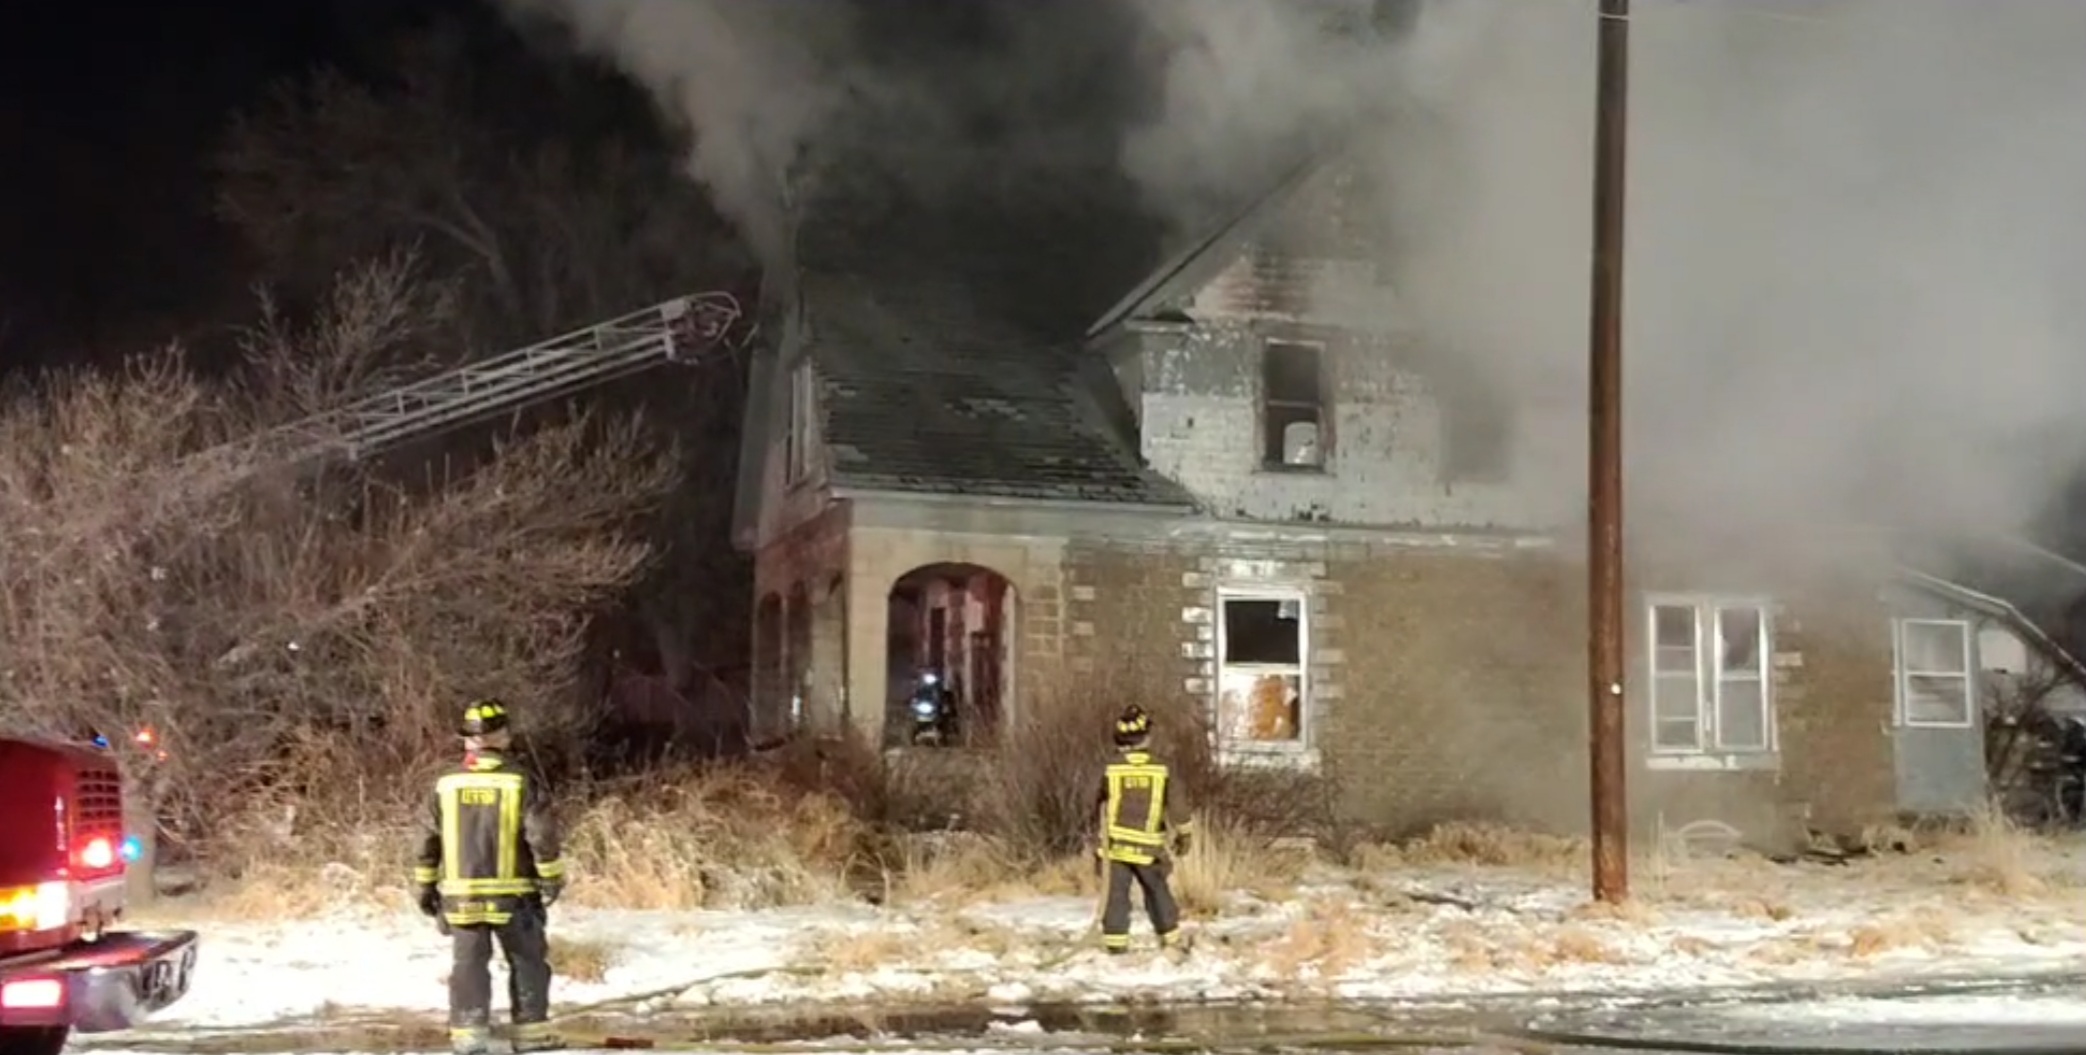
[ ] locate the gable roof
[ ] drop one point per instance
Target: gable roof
(922, 393)
(1198, 264)
(943, 321)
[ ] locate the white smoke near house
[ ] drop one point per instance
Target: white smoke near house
(1855, 225)
(758, 81)
(1856, 233)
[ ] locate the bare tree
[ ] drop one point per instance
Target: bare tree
(298, 635)
(533, 231)
(550, 230)
(2022, 738)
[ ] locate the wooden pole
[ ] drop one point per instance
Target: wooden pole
(1605, 637)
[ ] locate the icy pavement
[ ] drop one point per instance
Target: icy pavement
(2026, 1018)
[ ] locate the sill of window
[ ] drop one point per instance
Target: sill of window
(1280, 469)
(1270, 758)
(1727, 762)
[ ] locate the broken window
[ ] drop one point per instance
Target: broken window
(799, 431)
(1260, 671)
(1710, 684)
(1292, 405)
(1934, 685)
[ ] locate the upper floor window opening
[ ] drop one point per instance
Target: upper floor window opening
(1292, 408)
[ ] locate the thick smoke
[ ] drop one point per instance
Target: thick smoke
(1853, 223)
(933, 98)
(1854, 228)
(758, 81)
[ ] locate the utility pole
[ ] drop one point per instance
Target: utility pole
(1604, 550)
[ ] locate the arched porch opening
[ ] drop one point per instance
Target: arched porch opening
(769, 676)
(797, 658)
(954, 623)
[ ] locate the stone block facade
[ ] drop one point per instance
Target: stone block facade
(1445, 679)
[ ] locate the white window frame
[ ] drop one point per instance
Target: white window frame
(800, 431)
(1902, 675)
(1265, 752)
(1710, 679)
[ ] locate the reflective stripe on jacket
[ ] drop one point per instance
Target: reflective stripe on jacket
(1139, 809)
(487, 841)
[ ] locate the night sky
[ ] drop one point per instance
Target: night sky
(107, 242)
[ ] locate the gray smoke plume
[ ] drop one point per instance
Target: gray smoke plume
(756, 82)
(930, 99)
(1855, 227)
(1854, 224)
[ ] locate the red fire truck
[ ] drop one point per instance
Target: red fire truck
(65, 964)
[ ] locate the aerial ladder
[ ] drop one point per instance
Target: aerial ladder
(682, 330)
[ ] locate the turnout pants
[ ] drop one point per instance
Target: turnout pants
(526, 944)
(1158, 902)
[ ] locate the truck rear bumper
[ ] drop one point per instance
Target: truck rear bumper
(112, 984)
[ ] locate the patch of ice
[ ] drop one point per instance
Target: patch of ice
(2010, 1010)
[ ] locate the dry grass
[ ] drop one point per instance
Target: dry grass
(959, 868)
(581, 960)
(1224, 861)
(862, 951)
(1478, 845)
(1328, 940)
(1910, 930)
(1998, 855)
(717, 838)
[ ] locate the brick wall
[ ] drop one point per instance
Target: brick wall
(1464, 690)
(1450, 683)
(1832, 692)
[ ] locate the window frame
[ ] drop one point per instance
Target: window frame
(1706, 614)
(1270, 439)
(1248, 751)
(1902, 674)
(799, 427)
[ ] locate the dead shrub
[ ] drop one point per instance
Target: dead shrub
(1580, 945)
(579, 959)
(1223, 860)
(715, 837)
(1048, 772)
(297, 645)
(1488, 846)
(1908, 931)
(1328, 940)
(862, 951)
(958, 866)
(1999, 855)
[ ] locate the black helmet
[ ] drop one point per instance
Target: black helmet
(484, 717)
(1133, 726)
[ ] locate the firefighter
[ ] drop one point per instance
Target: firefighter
(488, 869)
(1139, 812)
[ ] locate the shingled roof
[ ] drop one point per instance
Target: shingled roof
(946, 335)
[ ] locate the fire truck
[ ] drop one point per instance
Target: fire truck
(67, 963)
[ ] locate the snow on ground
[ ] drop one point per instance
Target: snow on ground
(1423, 934)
